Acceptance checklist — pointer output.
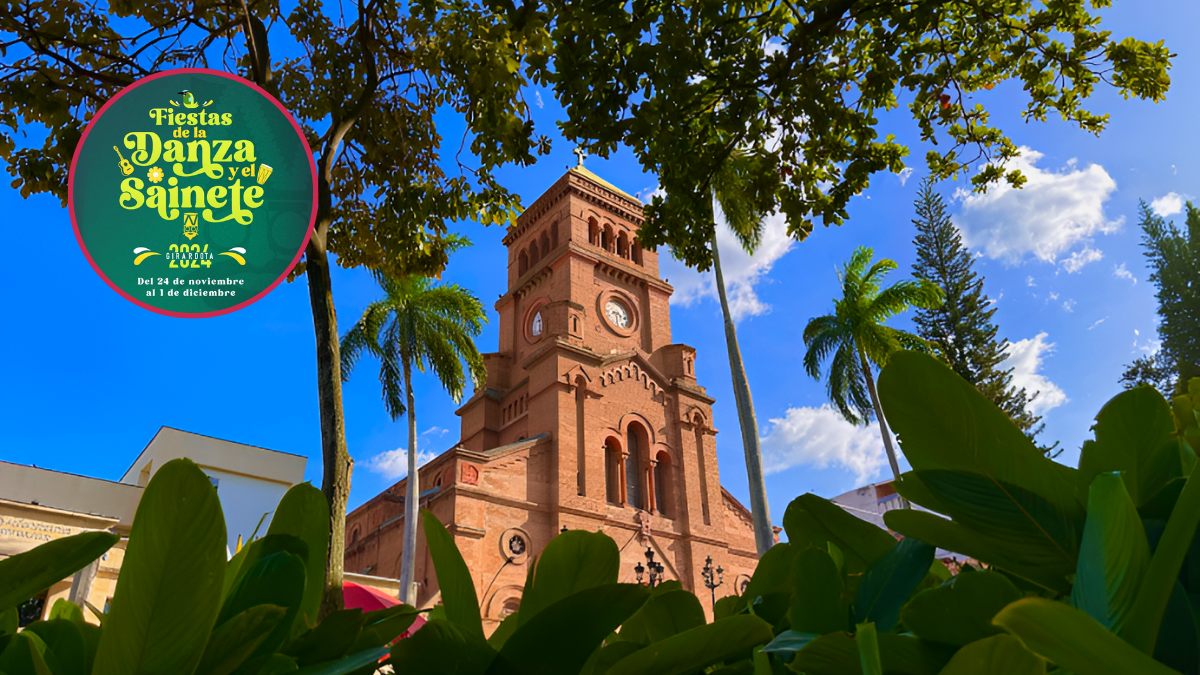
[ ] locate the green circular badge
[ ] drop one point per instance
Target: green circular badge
(193, 193)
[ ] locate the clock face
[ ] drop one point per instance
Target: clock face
(535, 328)
(617, 314)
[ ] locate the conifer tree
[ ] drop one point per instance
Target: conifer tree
(961, 329)
(1173, 254)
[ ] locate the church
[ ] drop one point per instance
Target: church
(591, 418)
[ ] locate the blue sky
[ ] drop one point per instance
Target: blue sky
(91, 377)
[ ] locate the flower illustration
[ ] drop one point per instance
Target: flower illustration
(155, 174)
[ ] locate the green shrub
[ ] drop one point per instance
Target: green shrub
(180, 608)
(1089, 570)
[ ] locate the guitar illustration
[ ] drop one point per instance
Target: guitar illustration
(126, 167)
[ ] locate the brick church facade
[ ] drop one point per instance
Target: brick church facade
(591, 418)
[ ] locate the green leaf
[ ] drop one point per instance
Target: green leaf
(275, 664)
(249, 556)
(1073, 640)
(663, 615)
(1114, 554)
(817, 603)
(890, 582)
(1134, 435)
(331, 639)
(562, 636)
(504, 631)
(602, 659)
(25, 654)
(573, 561)
(277, 580)
(64, 640)
(65, 609)
(729, 606)
(442, 647)
(1145, 618)
(347, 664)
(996, 655)
(813, 521)
(10, 620)
(390, 623)
(234, 641)
(29, 573)
(951, 536)
(868, 649)
(157, 624)
(1027, 527)
(773, 574)
(91, 642)
(789, 641)
(454, 577)
(697, 648)
(304, 513)
(838, 654)
(943, 422)
(961, 611)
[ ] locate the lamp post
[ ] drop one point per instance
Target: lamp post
(712, 579)
(656, 569)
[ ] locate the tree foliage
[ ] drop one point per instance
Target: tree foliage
(806, 84)
(961, 328)
(1174, 258)
(365, 80)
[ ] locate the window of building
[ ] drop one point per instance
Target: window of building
(612, 470)
(535, 328)
(623, 245)
(593, 232)
(522, 264)
(633, 491)
(663, 493)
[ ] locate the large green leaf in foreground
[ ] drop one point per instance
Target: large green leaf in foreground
(169, 591)
(26, 574)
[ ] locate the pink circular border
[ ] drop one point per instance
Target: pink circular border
(312, 220)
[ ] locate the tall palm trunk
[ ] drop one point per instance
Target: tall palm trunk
(335, 482)
(764, 536)
(883, 428)
(411, 493)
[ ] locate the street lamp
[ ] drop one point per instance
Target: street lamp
(710, 582)
(656, 569)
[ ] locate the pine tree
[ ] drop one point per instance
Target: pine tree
(1174, 257)
(962, 329)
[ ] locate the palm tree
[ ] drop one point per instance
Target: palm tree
(417, 324)
(855, 337)
(744, 213)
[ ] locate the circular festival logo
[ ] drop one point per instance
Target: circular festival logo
(193, 193)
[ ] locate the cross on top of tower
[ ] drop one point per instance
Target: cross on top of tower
(581, 154)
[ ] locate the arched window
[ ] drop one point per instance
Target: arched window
(522, 264)
(637, 252)
(554, 236)
(606, 239)
(623, 245)
(663, 492)
(638, 444)
(593, 232)
(534, 256)
(545, 240)
(612, 470)
(354, 535)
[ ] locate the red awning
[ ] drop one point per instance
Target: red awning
(371, 600)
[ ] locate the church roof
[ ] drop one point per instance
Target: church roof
(585, 173)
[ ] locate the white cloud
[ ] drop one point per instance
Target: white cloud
(904, 174)
(435, 431)
(1029, 282)
(1098, 323)
(1069, 305)
(1025, 358)
(393, 464)
(1078, 259)
(742, 271)
(1052, 214)
(1168, 204)
(537, 95)
(820, 437)
(1121, 273)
